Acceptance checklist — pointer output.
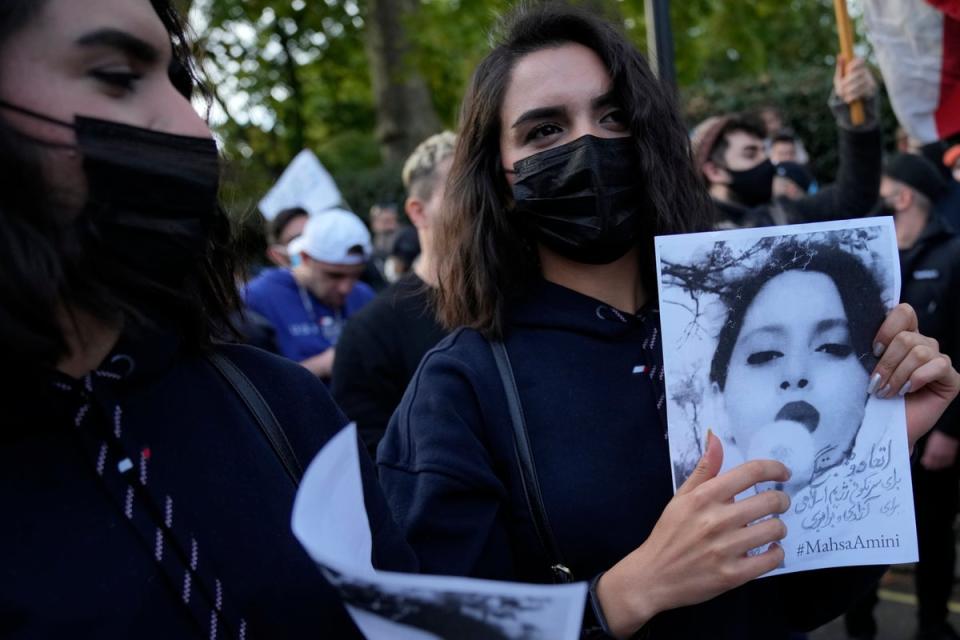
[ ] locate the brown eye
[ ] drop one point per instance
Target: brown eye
(617, 115)
(542, 131)
(120, 79)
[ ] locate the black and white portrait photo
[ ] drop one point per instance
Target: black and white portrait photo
(768, 341)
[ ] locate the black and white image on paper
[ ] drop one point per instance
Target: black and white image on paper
(331, 523)
(768, 341)
(477, 610)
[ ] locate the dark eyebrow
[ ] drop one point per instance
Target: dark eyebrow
(832, 323)
(606, 100)
(770, 328)
(131, 45)
(609, 99)
(538, 114)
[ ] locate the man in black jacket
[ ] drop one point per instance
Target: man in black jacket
(731, 155)
(930, 267)
(381, 347)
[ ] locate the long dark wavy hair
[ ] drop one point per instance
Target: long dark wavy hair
(45, 271)
(485, 258)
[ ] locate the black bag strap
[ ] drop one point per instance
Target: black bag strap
(528, 471)
(261, 412)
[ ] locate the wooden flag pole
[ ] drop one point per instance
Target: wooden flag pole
(845, 31)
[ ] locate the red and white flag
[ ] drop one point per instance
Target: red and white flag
(917, 43)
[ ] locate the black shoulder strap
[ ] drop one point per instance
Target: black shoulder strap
(528, 471)
(261, 412)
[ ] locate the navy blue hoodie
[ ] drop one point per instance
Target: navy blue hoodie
(590, 383)
(72, 564)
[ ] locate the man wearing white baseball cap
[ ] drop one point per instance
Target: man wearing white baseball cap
(309, 303)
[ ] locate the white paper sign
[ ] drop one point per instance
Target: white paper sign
(304, 183)
(330, 521)
(767, 340)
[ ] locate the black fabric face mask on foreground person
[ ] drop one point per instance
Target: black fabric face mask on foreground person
(582, 199)
(150, 197)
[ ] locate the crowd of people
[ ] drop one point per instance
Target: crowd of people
(150, 458)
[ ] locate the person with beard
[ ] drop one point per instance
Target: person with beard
(142, 495)
(730, 154)
(530, 444)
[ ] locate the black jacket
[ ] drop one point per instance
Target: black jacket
(852, 195)
(74, 566)
(931, 285)
(378, 352)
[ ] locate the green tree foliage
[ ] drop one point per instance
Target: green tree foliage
(294, 73)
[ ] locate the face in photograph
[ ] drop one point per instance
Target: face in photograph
(795, 388)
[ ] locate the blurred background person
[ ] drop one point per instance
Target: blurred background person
(281, 231)
(783, 147)
(774, 123)
(384, 224)
(309, 304)
(951, 160)
(731, 155)
(405, 251)
(791, 182)
(949, 206)
(382, 346)
(930, 268)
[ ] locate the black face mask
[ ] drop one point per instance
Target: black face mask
(584, 200)
(754, 186)
(151, 197)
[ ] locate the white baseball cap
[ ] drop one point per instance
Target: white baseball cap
(330, 235)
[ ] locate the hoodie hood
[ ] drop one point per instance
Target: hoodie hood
(549, 306)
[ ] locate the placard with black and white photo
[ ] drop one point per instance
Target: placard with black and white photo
(768, 340)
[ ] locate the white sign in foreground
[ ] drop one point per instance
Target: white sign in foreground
(330, 521)
(768, 340)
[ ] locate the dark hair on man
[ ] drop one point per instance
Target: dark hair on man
(784, 135)
(46, 268)
(486, 258)
(859, 289)
(745, 123)
(381, 207)
(276, 227)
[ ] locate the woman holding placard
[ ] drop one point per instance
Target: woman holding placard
(571, 157)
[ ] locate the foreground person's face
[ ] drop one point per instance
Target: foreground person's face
(794, 364)
(106, 59)
(555, 96)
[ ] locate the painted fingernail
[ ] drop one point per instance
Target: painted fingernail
(883, 393)
(874, 381)
(905, 389)
(878, 349)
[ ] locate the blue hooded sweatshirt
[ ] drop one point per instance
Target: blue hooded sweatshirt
(591, 386)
